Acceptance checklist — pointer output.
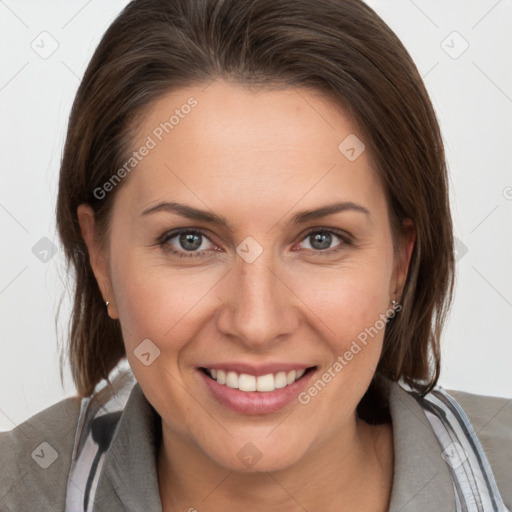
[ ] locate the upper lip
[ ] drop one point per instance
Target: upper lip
(257, 369)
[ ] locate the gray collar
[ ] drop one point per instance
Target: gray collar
(422, 479)
(128, 481)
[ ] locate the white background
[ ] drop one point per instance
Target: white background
(472, 95)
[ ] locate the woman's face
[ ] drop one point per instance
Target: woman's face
(260, 281)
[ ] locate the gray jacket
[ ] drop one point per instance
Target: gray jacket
(36, 456)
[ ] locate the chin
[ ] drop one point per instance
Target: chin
(258, 456)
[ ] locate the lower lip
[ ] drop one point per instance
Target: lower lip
(256, 402)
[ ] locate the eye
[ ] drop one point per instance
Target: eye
(186, 243)
(320, 240)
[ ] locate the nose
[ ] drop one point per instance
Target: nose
(258, 306)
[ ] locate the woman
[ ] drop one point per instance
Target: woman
(253, 197)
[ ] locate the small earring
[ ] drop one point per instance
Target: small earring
(107, 303)
(394, 306)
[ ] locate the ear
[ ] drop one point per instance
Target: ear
(97, 256)
(403, 258)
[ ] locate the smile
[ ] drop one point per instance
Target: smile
(251, 394)
(247, 383)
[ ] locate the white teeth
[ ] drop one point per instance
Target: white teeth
(232, 380)
(290, 377)
(280, 380)
(246, 382)
(263, 383)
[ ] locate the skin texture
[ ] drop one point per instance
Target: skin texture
(257, 158)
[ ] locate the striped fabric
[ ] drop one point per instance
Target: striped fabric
(98, 419)
(473, 482)
(474, 485)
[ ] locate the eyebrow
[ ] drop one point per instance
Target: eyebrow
(212, 218)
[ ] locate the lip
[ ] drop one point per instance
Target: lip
(256, 402)
(257, 370)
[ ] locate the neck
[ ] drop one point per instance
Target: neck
(358, 477)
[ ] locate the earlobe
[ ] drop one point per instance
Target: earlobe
(97, 257)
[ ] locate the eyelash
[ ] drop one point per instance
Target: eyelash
(162, 241)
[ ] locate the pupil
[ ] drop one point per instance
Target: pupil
(324, 240)
(190, 241)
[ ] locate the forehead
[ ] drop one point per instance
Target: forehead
(227, 141)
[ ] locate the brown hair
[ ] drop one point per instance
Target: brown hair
(339, 47)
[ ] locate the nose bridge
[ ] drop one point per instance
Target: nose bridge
(258, 306)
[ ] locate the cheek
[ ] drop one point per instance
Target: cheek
(346, 312)
(350, 307)
(349, 303)
(158, 302)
